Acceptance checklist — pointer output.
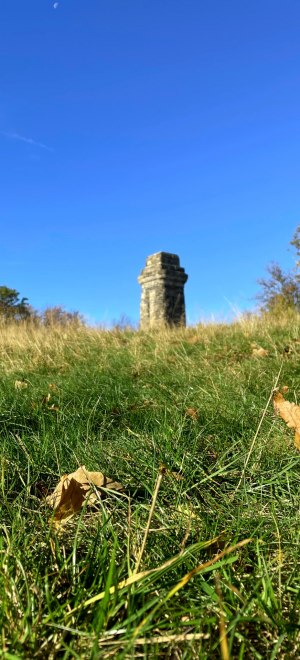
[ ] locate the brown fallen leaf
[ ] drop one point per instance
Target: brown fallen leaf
(260, 352)
(20, 384)
(194, 340)
(290, 413)
(185, 511)
(192, 412)
(74, 489)
(175, 475)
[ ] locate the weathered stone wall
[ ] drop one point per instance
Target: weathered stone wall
(162, 299)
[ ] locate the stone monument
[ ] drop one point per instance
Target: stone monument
(162, 300)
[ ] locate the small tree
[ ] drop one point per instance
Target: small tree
(59, 316)
(295, 242)
(11, 307)
(281, 292)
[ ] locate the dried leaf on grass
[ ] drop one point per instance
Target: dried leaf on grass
(290, 413)
(76, 489)
(258, 351)
(192, 412)
(46, 399)
(20, 384)
(194, 339)
(185, 511)
(174, 475)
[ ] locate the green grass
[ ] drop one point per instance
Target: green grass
(120, 406)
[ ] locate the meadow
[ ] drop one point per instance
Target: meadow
(198, 555)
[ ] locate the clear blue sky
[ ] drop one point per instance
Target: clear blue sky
(130, 127)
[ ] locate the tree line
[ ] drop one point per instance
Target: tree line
(16, 309)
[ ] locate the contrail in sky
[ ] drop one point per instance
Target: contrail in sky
(21, 138)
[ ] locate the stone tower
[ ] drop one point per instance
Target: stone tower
(162, 300)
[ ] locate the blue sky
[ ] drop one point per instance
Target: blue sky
(127, 128)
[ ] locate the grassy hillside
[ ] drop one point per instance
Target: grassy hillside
(126, 403)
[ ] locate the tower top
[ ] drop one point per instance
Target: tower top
(166, 258)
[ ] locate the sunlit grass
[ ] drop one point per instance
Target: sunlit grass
(118, 401)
